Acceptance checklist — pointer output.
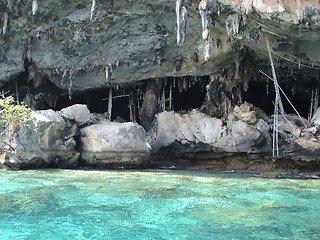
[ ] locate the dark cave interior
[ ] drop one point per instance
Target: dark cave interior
(187, 93)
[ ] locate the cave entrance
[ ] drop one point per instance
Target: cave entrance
(97, 102)
(185, 93)
(189, 99)
(262, 94)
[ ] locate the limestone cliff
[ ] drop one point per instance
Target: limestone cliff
(131, 59)
(82, 45)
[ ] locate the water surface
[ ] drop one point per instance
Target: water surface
(161, 204)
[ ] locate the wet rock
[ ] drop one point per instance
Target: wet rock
(78, 113)
(107, 144)
(45, 140)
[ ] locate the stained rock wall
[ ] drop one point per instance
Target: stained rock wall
(77, 46)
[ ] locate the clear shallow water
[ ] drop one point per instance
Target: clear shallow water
(76, 204)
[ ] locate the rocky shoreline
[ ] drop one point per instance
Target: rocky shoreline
(74, 137)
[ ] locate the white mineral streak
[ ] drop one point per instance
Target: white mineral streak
(5, 23)
(204, 10)
(207, 51)
(34, 6)
(92, 8)
(70, 83)
(108, 73)
(232, 25)
(181, 12)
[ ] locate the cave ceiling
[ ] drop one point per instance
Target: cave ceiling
(83, 45)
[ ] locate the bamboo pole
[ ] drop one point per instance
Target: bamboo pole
(278, 106)
(311, 105)
(163, 98)
(296, 111)
(110, 104)
(316, 101)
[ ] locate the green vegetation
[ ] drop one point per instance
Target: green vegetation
(10, 111)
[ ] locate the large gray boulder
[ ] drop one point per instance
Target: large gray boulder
(205, 133)
(110, 144)
(192, 128)
(246, 136)
(45, 140)
(78, 113)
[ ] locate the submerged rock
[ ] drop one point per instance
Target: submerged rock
(110, 144)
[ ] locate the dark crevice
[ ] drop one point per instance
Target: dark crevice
(262, 94)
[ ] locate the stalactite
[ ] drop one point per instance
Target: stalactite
(170, 96)
(5, 23)
(70, 83)
(234, 24)
(93, 6)
(207, 51)
(316, 100)
(163, 98)
(108, 70)
(181, 13)
(34, 6)
(64, 75)
(110, 104)
(205, 11)
(311, 105)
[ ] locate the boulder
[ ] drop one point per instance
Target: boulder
(193, 128)
(292, 124)
(78, 113)
(244, 113)
(245, 136)
(45, 140)
(316, 118)
(109, 144)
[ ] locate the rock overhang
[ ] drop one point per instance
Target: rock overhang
(125, 42)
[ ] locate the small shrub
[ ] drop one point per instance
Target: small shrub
(11, 112)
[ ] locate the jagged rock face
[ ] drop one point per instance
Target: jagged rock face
(45, 140)
(78, 46)
(196, 131)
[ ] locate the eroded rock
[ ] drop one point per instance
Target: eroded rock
(198, 129)
(244, 113)
(45, 140)
(108, 144)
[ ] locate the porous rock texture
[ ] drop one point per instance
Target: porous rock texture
(45, 140)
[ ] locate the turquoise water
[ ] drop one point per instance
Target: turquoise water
(161, 204)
